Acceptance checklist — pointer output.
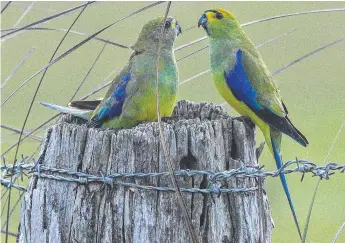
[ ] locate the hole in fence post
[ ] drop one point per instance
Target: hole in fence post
(189, 162)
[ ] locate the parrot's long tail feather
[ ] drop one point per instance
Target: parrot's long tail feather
(84, 104)
(85, 114)
(275, 141)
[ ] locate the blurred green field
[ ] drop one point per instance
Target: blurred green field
(313, 90)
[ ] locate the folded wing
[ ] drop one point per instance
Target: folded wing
(111, 106)
(250, 82)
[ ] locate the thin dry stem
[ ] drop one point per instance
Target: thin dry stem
(27, 10)
(342, 227)
(60, 14)
(6, 6)
(307, 55)
(17, 131)
(305, 233)
(88, 72)
(167, 158)
(73, 32)
(17, 67)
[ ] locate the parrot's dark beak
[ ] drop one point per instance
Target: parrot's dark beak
(203, 21)
(178, 27)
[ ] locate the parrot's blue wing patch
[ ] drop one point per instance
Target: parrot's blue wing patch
(112, 107)
(240, 85)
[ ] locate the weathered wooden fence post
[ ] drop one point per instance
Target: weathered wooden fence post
(200, 137)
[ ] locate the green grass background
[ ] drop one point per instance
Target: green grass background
(313, 90)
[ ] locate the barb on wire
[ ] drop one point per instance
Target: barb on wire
(8, 184)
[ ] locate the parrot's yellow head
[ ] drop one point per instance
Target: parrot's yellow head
(151, 33)
(218, 22)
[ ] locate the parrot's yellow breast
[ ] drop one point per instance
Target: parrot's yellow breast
(166, 107)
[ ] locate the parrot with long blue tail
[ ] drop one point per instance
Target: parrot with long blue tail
(131, 98)
(244, 81)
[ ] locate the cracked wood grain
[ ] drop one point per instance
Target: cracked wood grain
(199, 136)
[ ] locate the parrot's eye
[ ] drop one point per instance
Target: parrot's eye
(219, 15)
(167, 24)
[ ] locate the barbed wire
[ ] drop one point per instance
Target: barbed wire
(216, 179)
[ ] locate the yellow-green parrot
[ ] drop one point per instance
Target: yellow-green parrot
(244, 81)
(131, 98)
